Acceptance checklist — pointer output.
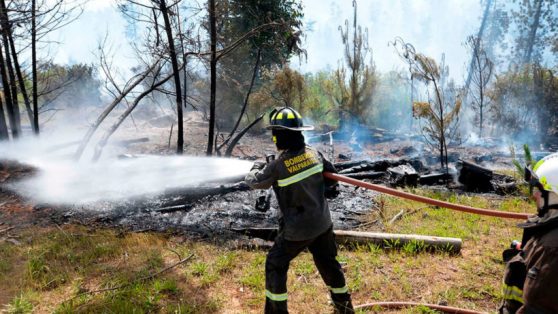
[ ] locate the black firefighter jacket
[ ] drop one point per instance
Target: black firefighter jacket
(296, 178)
(531, 278)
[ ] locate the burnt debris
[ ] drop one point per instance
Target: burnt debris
(475, 178)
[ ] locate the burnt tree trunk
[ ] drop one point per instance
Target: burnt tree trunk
(237, 138)
(533, 33)
(479, 36)
(20, 79)
(442, 135)
(34, 92)
(172, 52)
(123, 116)
(184, 64)
(11, 82)
(13, 90)
(8, 96)
(4, 135)
(245, 105)
(130, 86)
(213, 77)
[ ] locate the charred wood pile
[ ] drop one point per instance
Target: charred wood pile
(395, 172)
(403, 175)
(482, 180)
(349, 167)
(412, 172)
(228, 209)
(475, 178)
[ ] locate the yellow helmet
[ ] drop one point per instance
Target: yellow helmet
(288, 119)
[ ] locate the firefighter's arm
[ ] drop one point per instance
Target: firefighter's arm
(261, 176)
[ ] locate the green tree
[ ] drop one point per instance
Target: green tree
(276, 46)
(272, 46)
(284, 87)
(266, 29)
(68, 87)
(319, 105)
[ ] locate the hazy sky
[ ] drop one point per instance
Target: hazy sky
(432, 26)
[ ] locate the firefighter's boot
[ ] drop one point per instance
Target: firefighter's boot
(342, 303)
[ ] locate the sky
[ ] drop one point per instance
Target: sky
(432, 26)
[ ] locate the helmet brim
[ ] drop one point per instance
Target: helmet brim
(280, 127)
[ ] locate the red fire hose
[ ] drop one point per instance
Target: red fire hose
(394, 192)
(399, 305)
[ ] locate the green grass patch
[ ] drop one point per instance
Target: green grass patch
(254, 275)
(20, 305)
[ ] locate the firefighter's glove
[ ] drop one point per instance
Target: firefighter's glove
(513, 250)
(258, 165)
(332, 191)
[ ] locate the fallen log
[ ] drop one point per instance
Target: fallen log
(385, 240)
(6, 229)
(391, 240)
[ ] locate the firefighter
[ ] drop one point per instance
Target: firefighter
(305, 221)
(531, 276)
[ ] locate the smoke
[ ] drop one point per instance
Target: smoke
(61, 180)
(434, 27)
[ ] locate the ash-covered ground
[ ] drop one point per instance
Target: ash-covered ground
(215, 211)
(227, 210)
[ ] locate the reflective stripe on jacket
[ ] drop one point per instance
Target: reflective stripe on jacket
(296, 178)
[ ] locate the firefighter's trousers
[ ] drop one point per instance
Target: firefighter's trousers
(324, 250)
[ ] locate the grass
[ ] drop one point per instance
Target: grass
(19, 305)
(53, 265)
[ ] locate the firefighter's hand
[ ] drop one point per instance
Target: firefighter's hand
(332, 191)
(258, 165)
(513, 250)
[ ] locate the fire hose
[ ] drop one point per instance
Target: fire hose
(427, 200)
(399, 305)
(423, 199)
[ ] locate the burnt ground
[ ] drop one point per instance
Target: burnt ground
(213, 212)
(216, 211)
(207, 212)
